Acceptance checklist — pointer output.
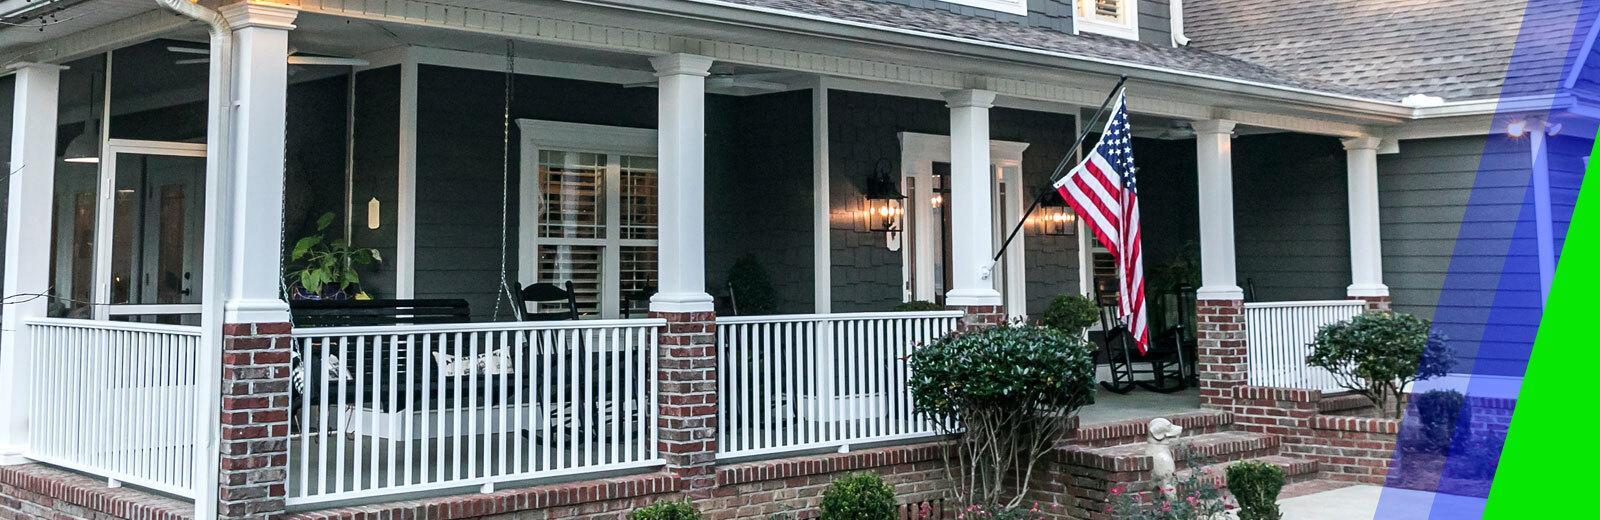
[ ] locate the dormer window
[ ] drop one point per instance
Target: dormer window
(1119, 18)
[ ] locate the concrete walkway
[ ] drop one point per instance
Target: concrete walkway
(1378, 503)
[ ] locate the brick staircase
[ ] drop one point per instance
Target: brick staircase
(1100, 456)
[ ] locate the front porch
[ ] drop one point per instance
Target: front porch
(479, 163)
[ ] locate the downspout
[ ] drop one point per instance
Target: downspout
(1175, 10)
(208, 359)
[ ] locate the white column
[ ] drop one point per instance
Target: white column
(261, 81)
(971, 211)
(681, 146)
(1544, 226)
(1214, 140)
(822, 210)
(27, 262)
(1366, 254)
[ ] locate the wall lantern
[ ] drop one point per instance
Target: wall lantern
(1055, 217)
(885, 205)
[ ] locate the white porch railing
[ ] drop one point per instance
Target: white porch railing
(799, 382)
(401, 409)
(115, 399)
(1278, 335)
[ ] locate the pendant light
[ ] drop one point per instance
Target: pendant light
(85, 148)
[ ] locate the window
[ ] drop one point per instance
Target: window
(589, 198)
(1119, 18)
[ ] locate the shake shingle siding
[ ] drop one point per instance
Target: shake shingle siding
(1456, 224)
(1291, 217)
(1155, 22)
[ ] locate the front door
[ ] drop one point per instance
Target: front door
(152, 228)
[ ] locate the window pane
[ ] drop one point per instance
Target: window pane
(581, 265)
(156, 229)
(639, 197)
(571, 187)
(638, 272)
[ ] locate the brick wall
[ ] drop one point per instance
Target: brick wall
(687, 370)
(977, 317)
(1219, 332)
(254, 443)
(1377, 303)
(31, 491)
(1349, 448)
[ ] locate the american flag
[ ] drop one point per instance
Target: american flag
(1103, 191)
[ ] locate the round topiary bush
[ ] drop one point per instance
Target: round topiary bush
(858, 496)
(1256, 486)
(1377, 354)
(1071, 314)
(1007, 393)
(671, 510)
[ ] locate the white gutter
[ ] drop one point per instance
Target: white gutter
(208, 361)
(1175, 11)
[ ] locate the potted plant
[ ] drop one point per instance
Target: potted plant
(327, 268)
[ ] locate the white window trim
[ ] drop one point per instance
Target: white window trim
(1129, 31)
(1016, 7)
(554, 135)
(918, 152)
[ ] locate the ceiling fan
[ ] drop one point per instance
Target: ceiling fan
(730, 82)
(294, 58)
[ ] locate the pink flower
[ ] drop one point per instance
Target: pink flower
(1166, 507)
(1116, 490)
(1192, 500)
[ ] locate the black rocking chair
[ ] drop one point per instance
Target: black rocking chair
(1165, 358)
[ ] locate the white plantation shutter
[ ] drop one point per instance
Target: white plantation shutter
(597, 225)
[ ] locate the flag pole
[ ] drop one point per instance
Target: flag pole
(1065, 160)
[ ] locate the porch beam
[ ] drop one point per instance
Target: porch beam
(261, 82)
(27, 262)
(971, 211)
(1214, 140)
(1366, 252)
(681, 142)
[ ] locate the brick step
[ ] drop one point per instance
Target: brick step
(1208, 448)
(1131, 431)
(1295, 470)
(1343, 403)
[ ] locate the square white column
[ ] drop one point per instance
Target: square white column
(971, 209)
(261, 82)
(681, 166)
(27, 262)
(1366, 252)
(1218, 271)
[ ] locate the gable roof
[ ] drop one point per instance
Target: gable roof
(1453, 49)
(935, 21)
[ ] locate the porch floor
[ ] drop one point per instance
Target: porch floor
(1138, 404)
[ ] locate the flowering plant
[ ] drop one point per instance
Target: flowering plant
(1198, 496)
(979, 512)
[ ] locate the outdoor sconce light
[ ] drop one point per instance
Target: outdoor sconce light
(1055, 218)
(374, 216)
(885, 203)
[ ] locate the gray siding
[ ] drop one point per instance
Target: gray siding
(1155, 22)
(1456, 217)
(314, 164)
(1291, 217)
(864, 128)
(376, 166)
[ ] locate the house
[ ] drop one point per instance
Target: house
(1310, 159)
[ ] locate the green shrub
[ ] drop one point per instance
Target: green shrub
(1256, 485)
(1377, 354)
(670, 510)
(918, 306)
(1012, 388)
(858, 496)
(752, 287)
(1071, 314)
(1440, 411)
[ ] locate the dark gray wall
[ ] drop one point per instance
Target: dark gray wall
(1451, 209)
(1155, 22)
(1291, 217)
(314, 162)
(758, 178)
(864, 128)
(374, 172)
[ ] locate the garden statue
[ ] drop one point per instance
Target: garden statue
(1162, 466)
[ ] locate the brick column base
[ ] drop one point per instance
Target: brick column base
(981, 316)
(1221, 357)
(254, 469)
(1376, 303)
(687, 369)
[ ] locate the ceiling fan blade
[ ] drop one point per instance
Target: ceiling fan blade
(188, 50)
(192, 61)
(326, 60)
